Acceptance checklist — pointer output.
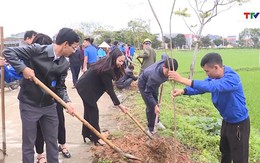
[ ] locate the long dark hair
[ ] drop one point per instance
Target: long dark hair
(42, 39)
(109, 64)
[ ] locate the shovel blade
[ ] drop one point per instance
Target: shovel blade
(129, 156)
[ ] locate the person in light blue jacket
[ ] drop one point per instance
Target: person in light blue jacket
(228, 97)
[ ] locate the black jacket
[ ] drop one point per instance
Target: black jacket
(91, 86)
(75, 59)
(52, 73)
(149, 82)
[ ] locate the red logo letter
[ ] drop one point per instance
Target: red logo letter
(246, 14)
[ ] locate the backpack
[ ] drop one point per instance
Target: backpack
(10, 74)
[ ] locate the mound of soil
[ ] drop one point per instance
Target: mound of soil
(158, 150)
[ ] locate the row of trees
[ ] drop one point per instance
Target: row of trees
(138, 30)
(180, 41)
(250, 37)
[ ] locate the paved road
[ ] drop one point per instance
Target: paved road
(81, 152)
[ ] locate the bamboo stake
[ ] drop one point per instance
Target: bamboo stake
(173, 87)
(172, 83)
(2, 94)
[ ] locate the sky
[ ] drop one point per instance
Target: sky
(48, 16)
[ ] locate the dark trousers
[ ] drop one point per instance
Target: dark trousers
(75, 73)
(62, 130)
(39, 144)
(234, 142)
(91, 115)
(150, 115)
(124, 84)
(47, 116)
(89, 65)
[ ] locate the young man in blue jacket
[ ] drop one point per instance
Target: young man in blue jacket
(149, 82)
(227, 95)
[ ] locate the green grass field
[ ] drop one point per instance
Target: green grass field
(198, 122)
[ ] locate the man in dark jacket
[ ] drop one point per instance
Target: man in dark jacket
(49, 65)
(149, 82)
(75, 66)
(127, 79)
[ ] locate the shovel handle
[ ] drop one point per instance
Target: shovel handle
(139, 125)
(50, 92)
(139, 61)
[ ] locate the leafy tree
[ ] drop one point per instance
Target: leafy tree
(225, 42)
(134, 34)
(138, 28)
(204, 11)
(218, 41)
(179, 40)
(250, 37)
(81, 35)
(88, 28)
(205, 41)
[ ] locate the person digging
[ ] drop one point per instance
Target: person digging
(148, 83)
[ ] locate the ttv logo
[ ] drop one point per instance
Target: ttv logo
(253, 15)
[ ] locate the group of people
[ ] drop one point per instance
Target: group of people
(222, 82)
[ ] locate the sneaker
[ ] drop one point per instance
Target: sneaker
(160, 126)
(151, 132)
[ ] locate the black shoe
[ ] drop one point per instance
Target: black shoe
(84, 139)
(64, 152)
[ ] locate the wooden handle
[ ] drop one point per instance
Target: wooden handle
(43, 86)
(50, 92)
(139, 125)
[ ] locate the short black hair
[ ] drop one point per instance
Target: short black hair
(42, 39)
(115, 43)
(29, 34)
(88, 39)
(67, 34)
(170, 63)
(210, 59)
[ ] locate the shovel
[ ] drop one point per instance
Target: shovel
(139, 125)
(50, 92)
(156, 118)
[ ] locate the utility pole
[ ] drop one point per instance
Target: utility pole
(149, 23)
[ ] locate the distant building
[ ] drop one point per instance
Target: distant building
(189, 39)
(13, 40)
(232, 40)
(213, 37)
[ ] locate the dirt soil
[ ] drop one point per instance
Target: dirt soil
(122, 132)
(135, 142)
(158, 150)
